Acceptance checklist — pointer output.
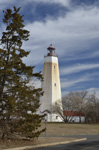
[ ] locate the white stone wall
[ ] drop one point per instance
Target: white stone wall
(76, 119)
(54, 118)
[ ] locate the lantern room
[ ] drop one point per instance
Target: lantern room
(51, 50)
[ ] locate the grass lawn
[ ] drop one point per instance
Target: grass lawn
(54, 129)
(63, 129)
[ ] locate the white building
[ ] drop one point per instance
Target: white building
(51, 85)
(74, 116)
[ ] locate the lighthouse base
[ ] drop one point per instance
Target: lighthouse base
(50, 117)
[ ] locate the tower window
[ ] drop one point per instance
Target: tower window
(54, 67)
(54, 84)
(56, 117)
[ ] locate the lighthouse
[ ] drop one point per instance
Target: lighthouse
(51, 85)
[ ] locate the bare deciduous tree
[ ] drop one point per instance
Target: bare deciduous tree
(92, 109)
(72, 102)
(80, 102)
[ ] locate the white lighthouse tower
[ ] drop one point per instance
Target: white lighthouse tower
(51, 85)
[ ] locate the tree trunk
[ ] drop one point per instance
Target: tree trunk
(3, 136)
(80, 119)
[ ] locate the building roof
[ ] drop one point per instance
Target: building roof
(72, 113)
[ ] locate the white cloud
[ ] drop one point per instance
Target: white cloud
(92, 54)
(69, 83)
(35, 82)
(78, 68)
(66, 83)
(62, 2)
(92, 90)
(6, 4)
(2, 2)
(75, 32)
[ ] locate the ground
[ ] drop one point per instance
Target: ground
(41, 140)
(63, 129)
(54, 133)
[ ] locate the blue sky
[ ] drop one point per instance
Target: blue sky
(72, 26)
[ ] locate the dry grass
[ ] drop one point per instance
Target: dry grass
(54, 129)
(62, 129)
(7, 144)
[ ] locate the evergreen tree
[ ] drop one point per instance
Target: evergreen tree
(19, 102)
